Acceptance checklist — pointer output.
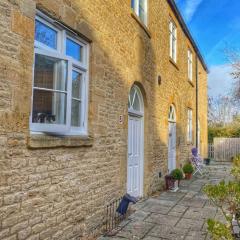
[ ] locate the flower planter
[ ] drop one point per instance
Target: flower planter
(171, 183)
(188, 176)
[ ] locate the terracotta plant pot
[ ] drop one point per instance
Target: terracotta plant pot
(188, 176)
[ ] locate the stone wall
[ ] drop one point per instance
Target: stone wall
(56, 188)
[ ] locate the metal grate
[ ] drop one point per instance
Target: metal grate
(112, 218)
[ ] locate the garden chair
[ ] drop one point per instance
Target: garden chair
(197, 161)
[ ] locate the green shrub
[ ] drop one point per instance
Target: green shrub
(226, 196)
(188, 168)
(220, 131)
(177, 174)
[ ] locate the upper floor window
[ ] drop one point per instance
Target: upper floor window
(173, 40)
(140, 8)
(189, 125)
(190, 65)
(60, 86)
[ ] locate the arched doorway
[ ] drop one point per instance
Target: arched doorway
(171, 138)
(135, 142)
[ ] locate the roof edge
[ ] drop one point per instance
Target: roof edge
(187, 32)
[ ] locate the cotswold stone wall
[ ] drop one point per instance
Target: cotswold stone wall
(55, 187)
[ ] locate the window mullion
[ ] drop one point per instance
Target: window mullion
(69, 95)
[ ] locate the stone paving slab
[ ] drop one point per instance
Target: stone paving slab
(180, 215)
(157, 209)
(196, 235)
(161, 219)
(135, 230)
(190, 224)
(168, 232)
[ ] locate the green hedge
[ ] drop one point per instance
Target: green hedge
(230, 131)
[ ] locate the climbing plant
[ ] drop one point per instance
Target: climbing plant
(226, 196)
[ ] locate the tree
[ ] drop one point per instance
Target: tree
(234, 58)
(221, 110)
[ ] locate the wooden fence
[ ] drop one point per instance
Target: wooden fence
(223, 149)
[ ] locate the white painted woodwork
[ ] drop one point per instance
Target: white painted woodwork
(135, 143)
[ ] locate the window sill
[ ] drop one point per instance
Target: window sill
(191, 82)
(141, 24)
(46, 141)
(173, 63)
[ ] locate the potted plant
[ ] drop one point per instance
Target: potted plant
(188, 170)
(177, 176)
(169, 182)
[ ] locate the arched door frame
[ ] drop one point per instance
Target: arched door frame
(136, 111)
(172, 126)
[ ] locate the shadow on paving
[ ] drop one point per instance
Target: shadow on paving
(180, 215)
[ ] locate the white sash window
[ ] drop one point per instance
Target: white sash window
(190, 65)
(60, 82)
(189, 125)
(140, 8)
(173, 40)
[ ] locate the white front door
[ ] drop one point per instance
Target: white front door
(172, 146)
(135, 156)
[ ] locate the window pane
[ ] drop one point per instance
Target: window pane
(131, 96)
(76, 113)
(45, 34)
(49, 107)
(142, 10)
(50, 73)
(76, 85)
(133, 4)
(74, 50)
(136, 103)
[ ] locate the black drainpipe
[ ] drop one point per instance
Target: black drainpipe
(197, 143)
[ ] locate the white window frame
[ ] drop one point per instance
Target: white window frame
(190, 65)
(72, 64)
(136, 8)
(190, 125)
(173, 40)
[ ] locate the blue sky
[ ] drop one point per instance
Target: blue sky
(215, 26)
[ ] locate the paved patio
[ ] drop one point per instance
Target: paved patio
(180, 215)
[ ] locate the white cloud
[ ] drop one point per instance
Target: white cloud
(190, 8)
(220, 80)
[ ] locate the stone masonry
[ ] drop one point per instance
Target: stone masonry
(56, 187)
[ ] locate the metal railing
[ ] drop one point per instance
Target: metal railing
(112, 217)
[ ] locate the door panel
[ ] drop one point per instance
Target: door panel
(134, 156)
(172, 147)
